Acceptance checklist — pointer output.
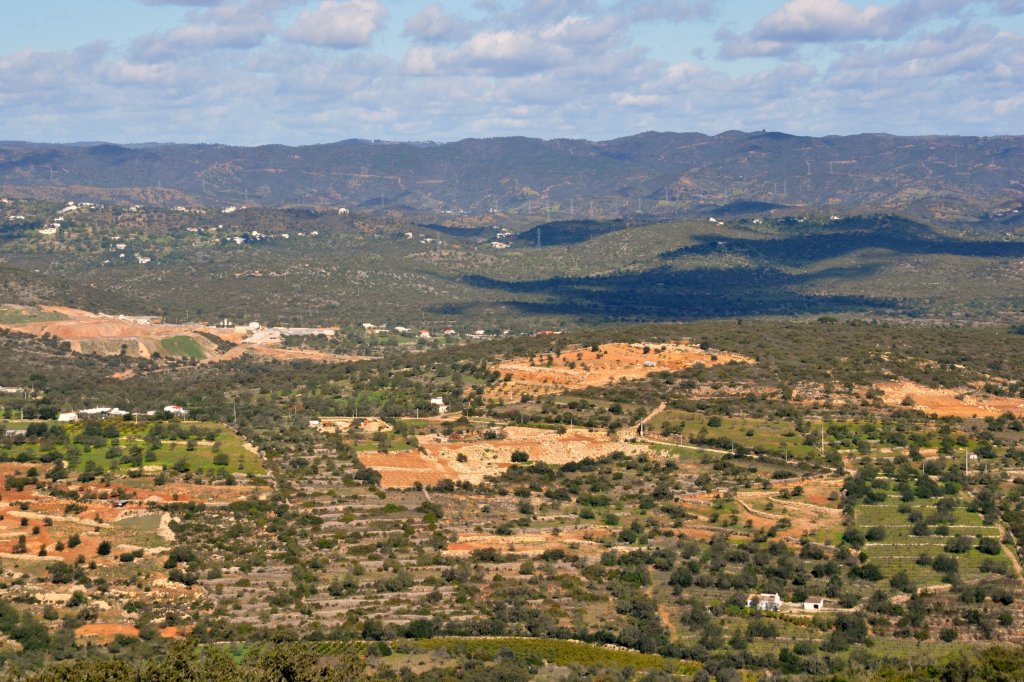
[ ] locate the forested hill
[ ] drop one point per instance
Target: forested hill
(945, 178)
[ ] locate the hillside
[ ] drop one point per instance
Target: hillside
(947, 178)
(289, 267)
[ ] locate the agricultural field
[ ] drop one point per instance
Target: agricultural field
(183, 346)
(595, 530)
(14, 315)
(772, 436)
(574, 368)
(909, 548)
(95, 447)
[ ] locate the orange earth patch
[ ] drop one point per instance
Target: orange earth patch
(945, 402)
(473, 461)
(579, 367)
(105, 632)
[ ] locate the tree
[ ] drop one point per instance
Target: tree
(61, 572)
(989, 545)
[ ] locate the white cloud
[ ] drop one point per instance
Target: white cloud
(236, 25)
(826, 20)
(341, 25)
(575, 69)
(433, 24)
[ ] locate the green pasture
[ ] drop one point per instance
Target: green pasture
(169, 454)
(759, 434)
(183, 346)
(16, 315)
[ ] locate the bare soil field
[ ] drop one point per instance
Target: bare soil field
(579, 367)
(105, 334)
(89, 332)
(440, 457)
(406, 468)
(345, 424)
(961, 402)
(278, 353)
(810, 513)
(531, 543)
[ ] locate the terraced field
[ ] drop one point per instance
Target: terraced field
(901, 549)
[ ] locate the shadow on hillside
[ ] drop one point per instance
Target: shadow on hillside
(903, 238)
(666, 293)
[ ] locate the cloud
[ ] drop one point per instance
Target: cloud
(231, 26)
(824, 21)
(732, 46)
(340, 25)
(572, 69)
(1010, 7)
(433, 24)
(509, 52)
(801, 22)
(667, 10)
(963, 51)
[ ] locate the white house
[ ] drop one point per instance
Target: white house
(439, 404)
(814, 603)
(176, 411)
(101, 412)
(764, 602)
(95, 411)
(67, 417)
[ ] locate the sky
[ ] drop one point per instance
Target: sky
(295, 72)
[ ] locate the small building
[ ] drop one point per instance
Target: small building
(67, 417)
(96, 412)
(440, 405)
(424, 334)
(764, 602)
(314, 423)
(175, 411)
(814, 603)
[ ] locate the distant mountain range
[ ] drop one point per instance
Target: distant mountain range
(941, 177)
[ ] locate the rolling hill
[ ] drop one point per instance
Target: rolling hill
(942, 178)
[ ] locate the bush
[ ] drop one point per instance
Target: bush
(875, 534)
(959, 544)
(989, 545)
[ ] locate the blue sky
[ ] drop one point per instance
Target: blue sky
(312, 71)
